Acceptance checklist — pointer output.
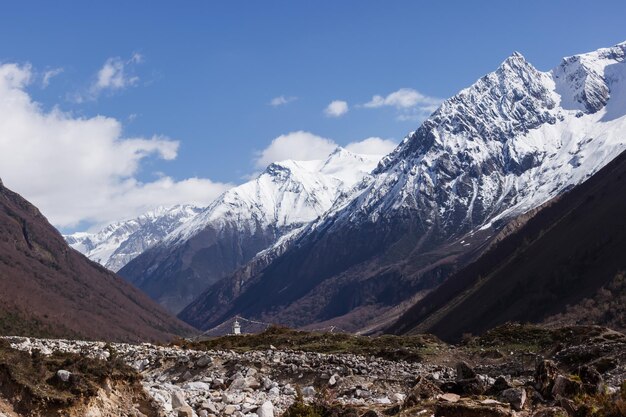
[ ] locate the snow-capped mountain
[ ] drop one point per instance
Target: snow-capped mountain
(287, 195)
(510, 142)
(244, 221)
(118, 243)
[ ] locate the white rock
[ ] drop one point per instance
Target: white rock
(333, 380)
(398, 397)
(266, 409)
(64, 375)
(197, 386)
(178, 399)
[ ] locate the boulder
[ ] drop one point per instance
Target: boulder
(571, 407)
(424, 389)
(197, 386)
(209, 407)
(591, 379)
(178, 400)
(499, 385)
(468, 381)
(237, 384)
(64, 375)
(464, 371)
(333, 380)
(266, 409)
(449, 397)
(185, 411)
(566, 387)
(204, 361)
(398, 397)
(545, 376)
(470, 386)
(514, 396)
(252, 382)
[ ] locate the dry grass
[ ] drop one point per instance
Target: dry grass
(31, 381)
(409, 348)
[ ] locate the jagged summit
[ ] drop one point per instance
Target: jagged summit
(287, 194)
(583, 81)
(514, 60)
(476, 154)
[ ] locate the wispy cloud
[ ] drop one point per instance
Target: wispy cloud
(410, 103)
(49, 75)
(336, 108)
(115, 75)
(281, 101)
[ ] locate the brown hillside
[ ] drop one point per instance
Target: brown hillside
(48, 289)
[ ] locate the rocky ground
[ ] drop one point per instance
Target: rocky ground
(574, 371)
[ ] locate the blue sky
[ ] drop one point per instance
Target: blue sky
(204, 73)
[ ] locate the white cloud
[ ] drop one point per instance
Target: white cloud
(306, 146)
(402, 99)
(372, 146)
(281, 101)
(48, 75)
(300, 145)
(336, 108)
(411, 104)
(82, 169)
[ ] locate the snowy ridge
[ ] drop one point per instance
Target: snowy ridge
(503, 146)
(120, 242)
(287, 195)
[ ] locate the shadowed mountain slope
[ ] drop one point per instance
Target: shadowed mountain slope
(49, 289)
(564, 254)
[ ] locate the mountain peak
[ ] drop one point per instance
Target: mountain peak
(516, 56)
(280, 168)
(515, 62)
(338, 151)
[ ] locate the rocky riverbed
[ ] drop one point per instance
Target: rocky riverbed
(480, 380)
(263, 383)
